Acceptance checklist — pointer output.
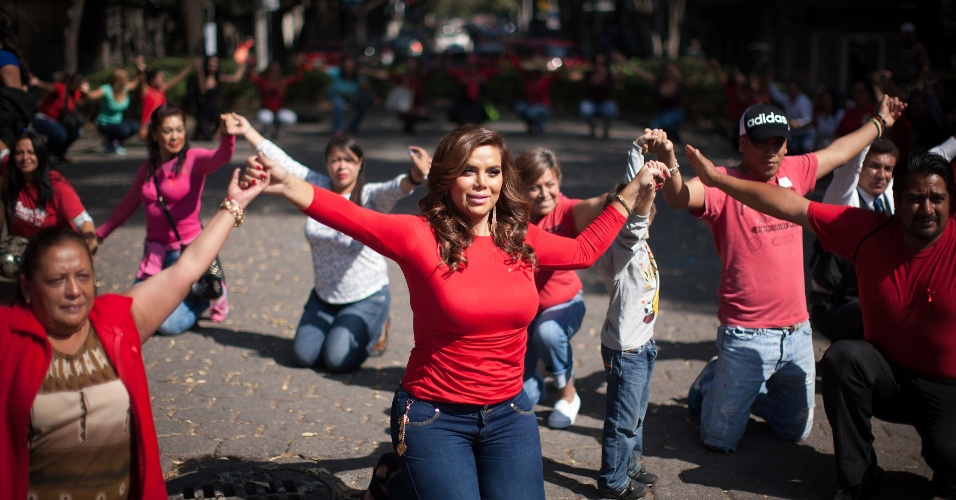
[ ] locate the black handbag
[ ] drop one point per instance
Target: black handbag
(11, 252)
(73, 119)
(209, 286)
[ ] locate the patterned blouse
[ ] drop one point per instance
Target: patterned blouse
(346, 271)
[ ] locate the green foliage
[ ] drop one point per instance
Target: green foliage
(635, 96)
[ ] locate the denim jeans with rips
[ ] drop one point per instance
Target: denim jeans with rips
(628, 376)
(767, 371)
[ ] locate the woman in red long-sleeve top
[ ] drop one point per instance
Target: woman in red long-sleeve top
(461, 424)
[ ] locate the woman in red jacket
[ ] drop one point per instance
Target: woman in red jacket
(72, 360)
(461, 425)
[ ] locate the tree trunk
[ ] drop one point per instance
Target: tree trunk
(71, 35)
(675, 19)
(192, 25)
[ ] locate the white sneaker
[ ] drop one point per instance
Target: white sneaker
(564, 414)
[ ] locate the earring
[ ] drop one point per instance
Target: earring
(494, 217)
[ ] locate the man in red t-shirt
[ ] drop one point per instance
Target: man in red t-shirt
(765, 363)
(905, 368)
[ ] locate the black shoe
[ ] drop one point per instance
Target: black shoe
(868, 488)
(645, 477)
(633, 490)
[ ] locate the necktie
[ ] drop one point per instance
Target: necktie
(878, 205)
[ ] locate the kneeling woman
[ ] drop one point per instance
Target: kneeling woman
(343, 319)
(175, 175)
(37, 196)
(71, 360)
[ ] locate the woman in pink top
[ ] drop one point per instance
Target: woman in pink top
(180, 173)
(461, 425)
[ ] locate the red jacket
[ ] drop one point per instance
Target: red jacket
(25, 356)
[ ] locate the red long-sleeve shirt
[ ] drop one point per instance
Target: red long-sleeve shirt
(470, 326)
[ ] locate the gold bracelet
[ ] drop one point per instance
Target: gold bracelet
(232, 206)
(626, 206)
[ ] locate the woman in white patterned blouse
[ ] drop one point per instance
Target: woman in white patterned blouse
(344, 320)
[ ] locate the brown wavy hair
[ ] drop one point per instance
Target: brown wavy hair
(533, 163)
(452, 230)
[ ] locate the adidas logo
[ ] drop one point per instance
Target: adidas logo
(767, 118)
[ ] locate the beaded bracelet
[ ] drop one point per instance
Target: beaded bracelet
(626, 206)
(232, 206)
(879, 127)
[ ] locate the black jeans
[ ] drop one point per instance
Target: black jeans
(860, 383)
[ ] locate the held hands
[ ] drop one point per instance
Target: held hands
(651, 178)
(658, 143)
(705, 169)
(263, 171)
(242, 127)
(422, 161)
(644, 182)
(244, 192)
(891, 108)
(233, 124)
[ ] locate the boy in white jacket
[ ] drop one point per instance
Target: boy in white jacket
(627, 347)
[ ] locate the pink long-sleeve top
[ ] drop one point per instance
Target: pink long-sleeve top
(182, 194)
(470, 326)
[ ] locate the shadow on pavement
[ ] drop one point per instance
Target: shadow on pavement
(267, 346)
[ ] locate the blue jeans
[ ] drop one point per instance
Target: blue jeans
(669, 120)
(120, 131)
(536, 115)
(339, 337)
(549, 338)
(467, 452)
(602, 109)
(628, 389)
(57, 136)
(767, 371)
(187, 313)
(339, 105)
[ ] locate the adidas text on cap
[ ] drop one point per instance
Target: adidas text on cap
(763, 121)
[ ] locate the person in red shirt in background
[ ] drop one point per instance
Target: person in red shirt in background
(272, 86)
(61, 100)
(905, 368)
(461, 424)
(858, 109)
(154, 89)
(36, 196)
(537, 76)
(469, 105)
